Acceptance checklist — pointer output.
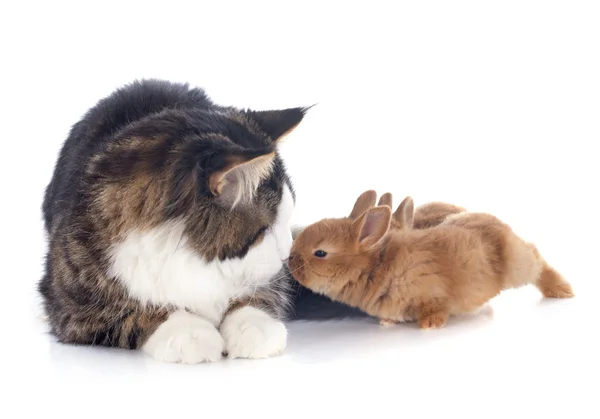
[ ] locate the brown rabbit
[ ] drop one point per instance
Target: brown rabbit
(426, 216)
(425, 275)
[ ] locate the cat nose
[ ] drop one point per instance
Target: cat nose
(290, 257)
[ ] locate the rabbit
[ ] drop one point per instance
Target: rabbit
(426, 216)
(423, 275)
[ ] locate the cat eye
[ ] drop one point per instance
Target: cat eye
(320, 253)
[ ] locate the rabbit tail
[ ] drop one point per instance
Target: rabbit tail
(552, 285)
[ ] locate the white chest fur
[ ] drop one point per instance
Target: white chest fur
(158, 267)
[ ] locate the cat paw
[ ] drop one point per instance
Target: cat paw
(185, 338)
(252, 333)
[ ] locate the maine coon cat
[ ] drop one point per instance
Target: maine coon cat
(168, 225)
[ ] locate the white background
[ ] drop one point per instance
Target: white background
(491, 105)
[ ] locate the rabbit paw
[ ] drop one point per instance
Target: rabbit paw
(252, 333)
(433, 320)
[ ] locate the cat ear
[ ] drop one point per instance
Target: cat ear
(278, 123)
(404, 213)
(386, 199)
(372, 226)
(365, 201)
(240, 175)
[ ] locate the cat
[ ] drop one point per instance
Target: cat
(168, 226)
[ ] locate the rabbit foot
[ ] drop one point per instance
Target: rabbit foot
(433, 314)
(433, 320)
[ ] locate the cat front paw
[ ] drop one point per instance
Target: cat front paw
(185, 338)
(251, 333)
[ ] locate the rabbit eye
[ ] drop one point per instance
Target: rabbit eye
(320, 253)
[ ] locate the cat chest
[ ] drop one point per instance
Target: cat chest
(158, 267)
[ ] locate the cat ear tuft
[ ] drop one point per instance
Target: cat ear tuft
(241, 175)
(278, 123)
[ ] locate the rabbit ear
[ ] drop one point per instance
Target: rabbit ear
(372, 226)
(404, 213)
(365, 201)
(386, 199)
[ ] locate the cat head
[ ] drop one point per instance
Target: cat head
(215, 170)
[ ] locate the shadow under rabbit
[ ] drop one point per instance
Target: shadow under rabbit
(360, 337)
